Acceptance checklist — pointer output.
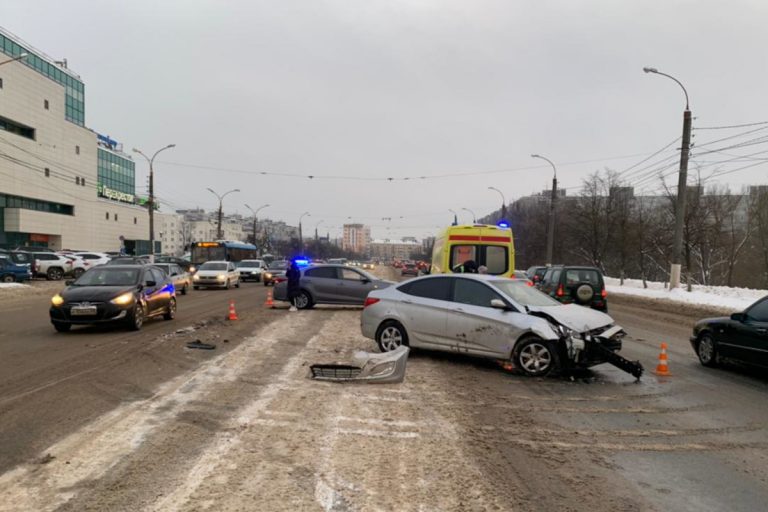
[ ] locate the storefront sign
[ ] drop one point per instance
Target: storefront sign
(116, 195)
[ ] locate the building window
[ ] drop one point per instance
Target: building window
(47, 172)
(82, 181)
(45, 104)
(1, 83)
(77, 150)
(115, 217)
(107, 216)
(19, 129)
(77, 180)
(135, 220)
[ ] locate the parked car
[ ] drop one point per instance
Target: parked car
(94, 258)
(536, 273)
(275, 272)
(50, 265)
(180, 278)
(579, 285)
(409, 269)
(219, 274)
(128, 260)
(742, 337)
(121, 294)
(522, 276)
(331, 284)
(251, 269)
(79, 265)
(492, 317)
(10, 272)
(182, 262)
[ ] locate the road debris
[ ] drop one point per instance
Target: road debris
(388, 367)
(200, 345)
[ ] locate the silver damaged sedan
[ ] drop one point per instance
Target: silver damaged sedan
(493, 317)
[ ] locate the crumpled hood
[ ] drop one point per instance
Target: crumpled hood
(575, 317)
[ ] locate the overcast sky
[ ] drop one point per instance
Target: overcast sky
(377, 89)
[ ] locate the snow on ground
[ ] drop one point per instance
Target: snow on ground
(13, 285)
(717, 296)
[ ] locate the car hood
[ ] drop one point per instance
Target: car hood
(714, 320)
(94, 293)
(211, 273)
(578, 318)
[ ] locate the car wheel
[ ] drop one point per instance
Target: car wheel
(303, 300)
(61, 327)
(77, 272)
(8, 278)
(390, 336)
(535, 357)
(706, 350)
(54, 274)
(137, 318)
(170, 312)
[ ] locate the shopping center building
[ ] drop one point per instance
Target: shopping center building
(62, 185)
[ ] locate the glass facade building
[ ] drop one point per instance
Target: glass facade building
(74, 89)
(116, 172)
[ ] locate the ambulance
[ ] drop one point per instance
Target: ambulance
(492, 246)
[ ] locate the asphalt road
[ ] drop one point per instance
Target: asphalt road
(114, 420)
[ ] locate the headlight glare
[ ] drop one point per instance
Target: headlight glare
(122, 300)
(57, 300)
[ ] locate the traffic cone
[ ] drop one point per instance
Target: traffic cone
(663, 368)
(270, 303)
(232, 312)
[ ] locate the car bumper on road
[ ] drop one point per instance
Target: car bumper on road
(105, 313)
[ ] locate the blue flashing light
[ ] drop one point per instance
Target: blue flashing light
(301, 262)
(503, 224)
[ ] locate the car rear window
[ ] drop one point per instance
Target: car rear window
(574, 276)
(436, 288)
(322, 272)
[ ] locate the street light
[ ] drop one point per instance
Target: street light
(503, 203)
(301, 237)
(682, 180)
(219, 234)
(21, 56)
(474, 217)
(151, 203)
(255, 212)
(553, 200)
(455, 217)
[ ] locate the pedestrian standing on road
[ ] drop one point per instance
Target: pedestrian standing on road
(294, 289)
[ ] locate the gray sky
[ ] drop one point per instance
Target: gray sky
(375, 89)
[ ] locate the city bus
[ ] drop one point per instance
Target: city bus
(221, 251)
(491, 246)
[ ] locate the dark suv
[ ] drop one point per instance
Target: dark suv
(577, 285)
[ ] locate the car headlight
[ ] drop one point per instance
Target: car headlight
(221, 277)
(268, 275)
(57, 300)
(195, 277)
(191, 270)
(122, 300)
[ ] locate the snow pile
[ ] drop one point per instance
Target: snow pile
(736, 299)
(14, 285)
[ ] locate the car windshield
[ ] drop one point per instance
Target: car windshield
(523, 294)
(249, 263)
(165, 268)
(102, 276)
(213, 266)
(278, 265)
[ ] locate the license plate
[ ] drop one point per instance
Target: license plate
(83, 310)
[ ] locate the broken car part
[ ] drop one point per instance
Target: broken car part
(388, 367)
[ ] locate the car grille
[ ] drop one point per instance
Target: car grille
(334, 371)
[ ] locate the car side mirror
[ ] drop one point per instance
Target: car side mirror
(499, 304)
(69, 282)
(737, 317)
(150, 284)
(365, 281)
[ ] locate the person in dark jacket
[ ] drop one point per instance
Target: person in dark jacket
(294, 288)
(468, 267)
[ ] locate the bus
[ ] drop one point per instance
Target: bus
(491, 246)
(222, 251)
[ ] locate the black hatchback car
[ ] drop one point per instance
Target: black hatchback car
(119, 294)
(742, 336)
(576, 285)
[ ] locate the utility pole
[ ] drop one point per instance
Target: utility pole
(301, 238)
(255, 213)
(552, 210)
(219, 234)
(151, 202)
(682, 181)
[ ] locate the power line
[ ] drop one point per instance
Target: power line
(731, 126)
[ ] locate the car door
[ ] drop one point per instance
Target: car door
(473, 325)
(323, 283)
(424, 311)
(233, 273)
(354, 286)
(749, 337)
(150, 290)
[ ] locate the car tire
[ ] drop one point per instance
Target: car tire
(77, 272)
(62, 327)
(536, 357)
(8, 278)
(707, 350)
(391, 335)
(54, 274)
(304, 300)
(137, 318)
(170, 311)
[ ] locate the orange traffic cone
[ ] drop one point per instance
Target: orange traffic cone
(663, 368)
(270, 303)
(232, 312)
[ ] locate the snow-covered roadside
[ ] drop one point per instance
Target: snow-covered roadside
(714, 296)
(14, 285)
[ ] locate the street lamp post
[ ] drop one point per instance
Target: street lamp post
(553, 200)
(503, 203)
(19, 57)
(474, 217)
(151, 202)
(455, 217)
(301, 238)
(682, 180)
(317, 226)
(219, 234)
(255, 213)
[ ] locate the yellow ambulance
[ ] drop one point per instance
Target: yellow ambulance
(491, 246)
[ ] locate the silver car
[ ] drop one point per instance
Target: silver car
(332, 284)
(493, 317)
